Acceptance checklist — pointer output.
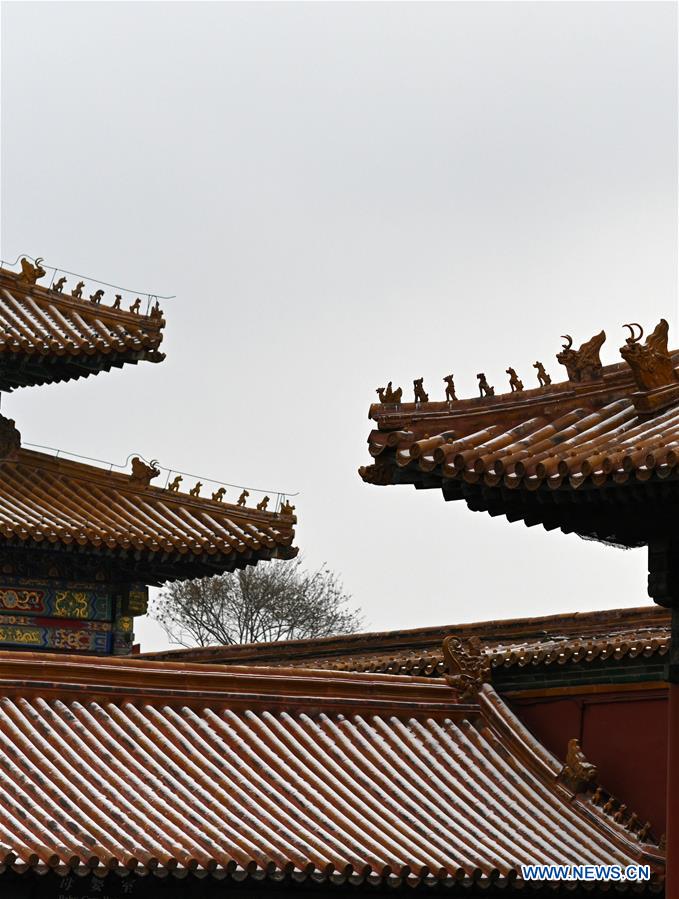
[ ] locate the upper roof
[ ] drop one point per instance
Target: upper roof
(159, 767)
(162, 534)
(578, 637)
(519, 453)
(48, 336)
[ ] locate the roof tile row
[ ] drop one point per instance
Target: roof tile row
(58, 502)
(174, 768)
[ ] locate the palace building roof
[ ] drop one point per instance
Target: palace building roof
(622, 638)
(54, 503)
(48, 335)
(126, 767)
(564, 455)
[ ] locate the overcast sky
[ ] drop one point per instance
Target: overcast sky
(340, 195)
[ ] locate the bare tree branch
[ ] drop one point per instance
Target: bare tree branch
(274, 601)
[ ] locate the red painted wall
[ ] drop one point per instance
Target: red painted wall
(623, 734)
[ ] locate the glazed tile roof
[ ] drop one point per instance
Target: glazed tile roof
(140, 767)
(46, 336)
(56, 503)
(511, 453)
(580, 637)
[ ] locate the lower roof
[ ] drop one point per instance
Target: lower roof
(136, 766)
(558, 640)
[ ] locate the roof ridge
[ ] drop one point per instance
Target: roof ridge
(136, 679)
(430, 638)
(86, 472)
(614, 376)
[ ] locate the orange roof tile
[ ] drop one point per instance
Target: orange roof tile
(52, 503)
(522, 642)
(142, 767)
(46, 336)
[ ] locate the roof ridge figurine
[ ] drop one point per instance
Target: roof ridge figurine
(421, 396)
(388, 395)
(451, 396)
(583, 364)
(30, 273)
(515, 383)
(543, 378)
(651, 363)
(577, 773)
(467, 664)
(142, 473)
(484, 386)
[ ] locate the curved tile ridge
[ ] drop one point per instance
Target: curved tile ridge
(631, 644)
(616, 379)
(62, 503)
(181, 682)
(594, 800)
(573, 637)
(47, 336)
(556, 651)
(229, 782)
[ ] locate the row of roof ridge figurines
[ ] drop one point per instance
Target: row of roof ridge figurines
(143, 474)
(31, 273)
(651, 365)
(468, 664)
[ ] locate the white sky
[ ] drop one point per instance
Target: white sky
(339, 195)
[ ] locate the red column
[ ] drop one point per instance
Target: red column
(672, 828)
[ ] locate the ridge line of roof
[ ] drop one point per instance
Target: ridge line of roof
(43, 294)
(86, 472)
(545, 765)
(176, 683)
(351, 642)
(616, 377)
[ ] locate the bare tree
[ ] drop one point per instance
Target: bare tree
(273, 601)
